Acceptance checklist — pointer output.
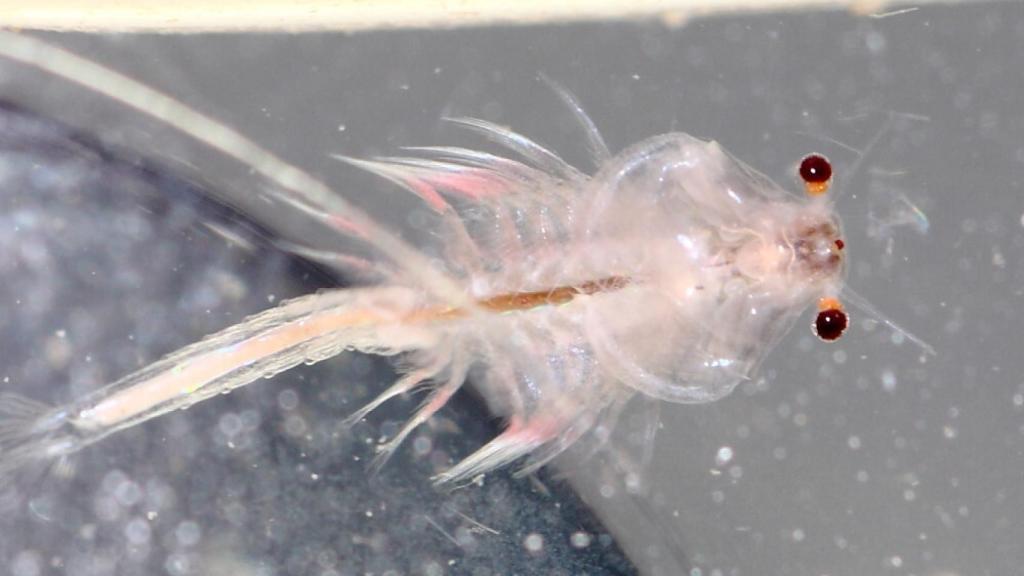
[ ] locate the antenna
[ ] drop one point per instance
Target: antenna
(862, 304)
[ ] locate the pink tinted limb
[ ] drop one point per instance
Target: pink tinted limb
(404, 385)
(437, 399)
(516, 441)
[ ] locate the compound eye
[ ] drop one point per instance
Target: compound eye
(831, 321)
(816, 172)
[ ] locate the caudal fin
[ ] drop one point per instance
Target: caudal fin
(29, 434)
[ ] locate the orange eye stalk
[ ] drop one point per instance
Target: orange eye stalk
(816, 172)
(831, 321)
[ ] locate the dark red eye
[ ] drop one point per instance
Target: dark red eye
(840, 244)
(816, 172)
(830, 324)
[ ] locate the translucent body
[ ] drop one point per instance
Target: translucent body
(670, 273)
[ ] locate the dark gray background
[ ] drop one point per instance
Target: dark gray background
(862, 457)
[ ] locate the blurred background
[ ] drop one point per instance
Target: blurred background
(861, 457)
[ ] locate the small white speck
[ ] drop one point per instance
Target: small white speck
(580, 539)
(798, 535)
(949, 432)
(342, 127)
(853, 442)
(888, 381)
(998, 260)
(533, 543)
(896, 561)
(1018, 399)
(724, 456)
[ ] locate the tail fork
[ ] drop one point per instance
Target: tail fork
(30, 431)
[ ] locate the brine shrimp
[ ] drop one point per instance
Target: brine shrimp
(670, 272)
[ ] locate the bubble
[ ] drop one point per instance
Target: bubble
(137, 531)
(295, 426)
(230, 424)
(422, 445)
(187, 533)
(287, 399)
(853, 442)
(26, 563)
(798, 535)
(106, 508)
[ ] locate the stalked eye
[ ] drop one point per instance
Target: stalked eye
(840, 244)
(831, 321)
(816, 172)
